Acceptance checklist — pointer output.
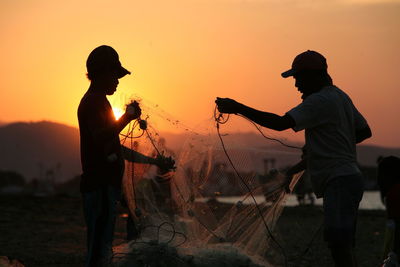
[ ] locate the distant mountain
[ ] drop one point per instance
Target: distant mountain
(37, 149)
(249, 150)
(368, 154)
(269, 149)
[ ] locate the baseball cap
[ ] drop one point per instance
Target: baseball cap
(308, 60)
(104, 58)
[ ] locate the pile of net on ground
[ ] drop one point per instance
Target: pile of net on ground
(218, 208)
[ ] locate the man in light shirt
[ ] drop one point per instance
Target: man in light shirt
(333, 126)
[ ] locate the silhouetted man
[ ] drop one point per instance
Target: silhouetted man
(102, 155)
(389, 185)
(332, 127)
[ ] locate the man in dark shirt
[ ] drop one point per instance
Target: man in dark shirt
(102, 155)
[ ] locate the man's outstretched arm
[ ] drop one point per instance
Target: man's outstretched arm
(265, 119)
(134, 156)
(164, 163)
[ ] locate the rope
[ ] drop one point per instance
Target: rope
(219, 120)
(301, 256)
(133, 254)
(152, 142)
(130, 136)
(190, 212)
(133, 176)
(269, 138)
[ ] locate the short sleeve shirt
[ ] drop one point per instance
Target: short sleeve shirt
(330, 121)
(95, 116)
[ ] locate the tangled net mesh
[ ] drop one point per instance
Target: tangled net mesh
(218, 208)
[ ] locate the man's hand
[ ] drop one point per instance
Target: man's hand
(165, 163)
(288, 180)
(227, 105)
(133, 110)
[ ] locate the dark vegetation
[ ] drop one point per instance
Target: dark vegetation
(8, 178)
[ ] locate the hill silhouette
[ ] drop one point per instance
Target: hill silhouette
(35, 148)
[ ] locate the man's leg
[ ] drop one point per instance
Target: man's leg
(311, 198)
(341, 200)
(92, 202)
(107, 221)
(343, 256)
(132, 231)
(396, 245)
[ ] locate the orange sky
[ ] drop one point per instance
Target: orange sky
(185, 53)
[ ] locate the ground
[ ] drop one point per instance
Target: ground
(50, 231)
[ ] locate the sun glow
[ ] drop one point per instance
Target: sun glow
(117, 112)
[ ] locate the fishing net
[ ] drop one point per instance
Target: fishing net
(219, 207)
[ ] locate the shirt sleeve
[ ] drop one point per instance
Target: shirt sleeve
(313, 111)
(97, 119)
(359, 121)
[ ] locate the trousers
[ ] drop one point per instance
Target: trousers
(100, 212)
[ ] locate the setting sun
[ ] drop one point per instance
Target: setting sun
(117, 112)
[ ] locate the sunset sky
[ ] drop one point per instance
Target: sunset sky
(185, 53)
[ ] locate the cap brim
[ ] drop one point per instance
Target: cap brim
(122, 72)
(288, 73)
